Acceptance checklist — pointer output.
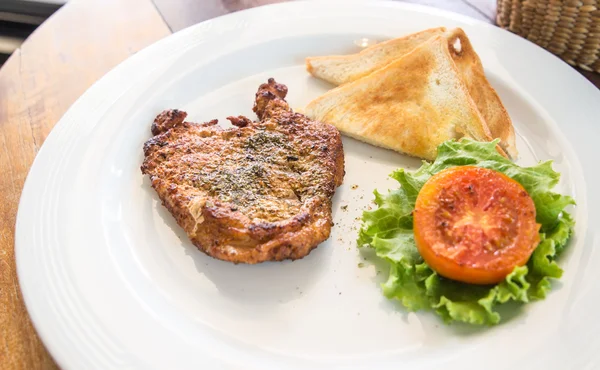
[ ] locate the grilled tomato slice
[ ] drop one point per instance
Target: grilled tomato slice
(474, 225)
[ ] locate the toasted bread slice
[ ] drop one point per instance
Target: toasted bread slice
(341, 69)
(483, 94)
(411, 105)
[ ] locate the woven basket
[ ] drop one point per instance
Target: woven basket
(567, 28)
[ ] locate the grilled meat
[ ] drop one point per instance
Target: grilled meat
(258, 191)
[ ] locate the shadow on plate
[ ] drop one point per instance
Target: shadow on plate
(375, 154)
(264, 284)
(535, 139)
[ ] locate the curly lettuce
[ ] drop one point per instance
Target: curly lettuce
(388, 229)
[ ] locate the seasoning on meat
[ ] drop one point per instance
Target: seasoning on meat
(255, 192)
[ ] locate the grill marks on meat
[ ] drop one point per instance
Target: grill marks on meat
(256, 192)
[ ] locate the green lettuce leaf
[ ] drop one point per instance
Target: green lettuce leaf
(388, 230)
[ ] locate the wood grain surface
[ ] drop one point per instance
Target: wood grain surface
(67, 54)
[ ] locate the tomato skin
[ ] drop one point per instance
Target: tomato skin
(474, 225)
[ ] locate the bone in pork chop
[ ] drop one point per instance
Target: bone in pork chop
(256, 192)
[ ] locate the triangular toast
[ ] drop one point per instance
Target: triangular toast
(411, 105)
(483, 94)
(343, 69)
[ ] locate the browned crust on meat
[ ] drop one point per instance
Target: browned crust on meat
(259, 191)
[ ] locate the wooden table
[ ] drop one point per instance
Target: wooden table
(67, 54)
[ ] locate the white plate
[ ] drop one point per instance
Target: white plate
(110, 280)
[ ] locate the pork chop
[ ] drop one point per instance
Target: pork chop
(259, 191)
